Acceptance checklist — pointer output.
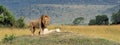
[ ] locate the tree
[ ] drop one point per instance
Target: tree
(99, 20)
(78, 20)
(92, 22)
(1, 19)
(6, 17)
(20, 22)
(102, 20)
(115, 18)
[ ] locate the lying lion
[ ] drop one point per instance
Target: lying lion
(46, 31)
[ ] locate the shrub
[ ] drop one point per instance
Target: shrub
(78, 20)
(6, 17)
(8, 38)
(102, 20)
(115, 18)
(92, 22)
(20, 22)
(99, 20)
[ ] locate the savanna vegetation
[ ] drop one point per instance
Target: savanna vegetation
(104, 20)
(71, 35)
(7, 19)
(116, 18)
(100, 20)
(78, 21)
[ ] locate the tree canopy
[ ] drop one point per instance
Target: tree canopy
(115, 18)
(78, 20)
(102, 20)
(99, 20)
(6, 17)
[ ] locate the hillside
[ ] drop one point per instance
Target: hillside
(29, 2)
(113, 9)
(64, 14)
(61, 11)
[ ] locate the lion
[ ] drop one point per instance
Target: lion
(41, 23)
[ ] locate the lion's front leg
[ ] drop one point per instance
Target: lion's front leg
(32, 30)
(40, 32)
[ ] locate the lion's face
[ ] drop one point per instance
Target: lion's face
(45, 20)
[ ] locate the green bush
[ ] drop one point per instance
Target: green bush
(20, 22)
(99, 20)
(115, 18)
(102, 20)
(1, 19)
(78, 20)
(8, 38)
(92, 22)
(6, 17)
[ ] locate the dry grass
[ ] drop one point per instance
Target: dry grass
(107, 32)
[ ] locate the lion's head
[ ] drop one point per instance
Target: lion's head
(45, 19)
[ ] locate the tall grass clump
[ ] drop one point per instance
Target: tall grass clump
(8, 39)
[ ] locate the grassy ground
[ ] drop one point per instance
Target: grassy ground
(99, 35)
(107, 32)
(63, 38)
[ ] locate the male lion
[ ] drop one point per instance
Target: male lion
(40, 23)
